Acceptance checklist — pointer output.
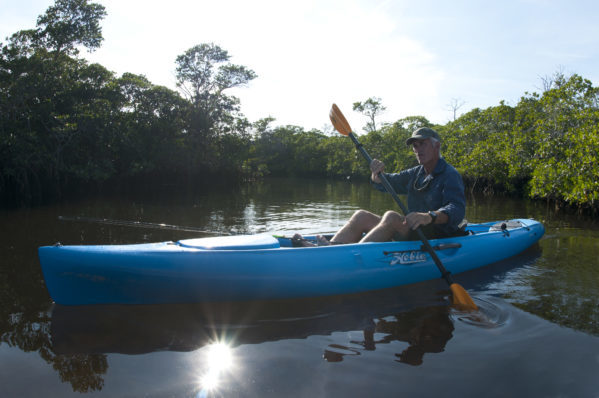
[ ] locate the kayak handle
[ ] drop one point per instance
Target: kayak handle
(442, 246)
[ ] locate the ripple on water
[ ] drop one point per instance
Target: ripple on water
(491, 314)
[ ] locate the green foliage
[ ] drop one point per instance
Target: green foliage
(289, 150)
(150, 123)
(371, 108)
(64, 121)
(545, 147)
(341, 157)
(69, 23)
(565, 167)
(470, 143)
(211, 116)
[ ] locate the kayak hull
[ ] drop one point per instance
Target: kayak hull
(258, 267)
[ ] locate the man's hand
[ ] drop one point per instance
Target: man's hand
(376, 167)
(415, 220)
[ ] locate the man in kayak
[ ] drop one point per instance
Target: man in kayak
(436, 200)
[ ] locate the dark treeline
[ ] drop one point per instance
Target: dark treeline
(66, 123)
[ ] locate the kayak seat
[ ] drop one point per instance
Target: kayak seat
(235, 242)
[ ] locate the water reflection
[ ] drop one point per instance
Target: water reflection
(425, 330)
(557, 280)
(84, 371)
(83, 333)
(141, 329)
(31, 333)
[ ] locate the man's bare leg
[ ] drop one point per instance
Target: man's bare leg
(390, 224)
(361, 222)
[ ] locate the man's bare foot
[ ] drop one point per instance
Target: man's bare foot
(322, 241)
(299, 241)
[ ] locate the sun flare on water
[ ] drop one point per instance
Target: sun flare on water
(219, 360)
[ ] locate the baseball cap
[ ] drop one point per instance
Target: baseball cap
(422, 134)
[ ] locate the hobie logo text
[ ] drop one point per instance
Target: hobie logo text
(409, 257)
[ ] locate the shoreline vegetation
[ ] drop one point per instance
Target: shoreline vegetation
(67, 124)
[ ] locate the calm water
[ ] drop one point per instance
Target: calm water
(537, 336)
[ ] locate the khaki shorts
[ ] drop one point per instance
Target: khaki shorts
(429, 231)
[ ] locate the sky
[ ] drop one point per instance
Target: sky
(418, 57)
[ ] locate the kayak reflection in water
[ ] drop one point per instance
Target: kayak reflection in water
(426, 330)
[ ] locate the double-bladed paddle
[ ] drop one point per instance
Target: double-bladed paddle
(461, 298)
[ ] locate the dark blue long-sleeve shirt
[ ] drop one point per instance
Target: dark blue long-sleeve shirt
(442, 190)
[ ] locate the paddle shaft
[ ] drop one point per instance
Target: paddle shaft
(444, 273)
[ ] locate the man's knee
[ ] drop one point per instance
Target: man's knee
(392, 218)
(360, 215)
(365, 219)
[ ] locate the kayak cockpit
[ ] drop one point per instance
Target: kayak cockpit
(236, 242)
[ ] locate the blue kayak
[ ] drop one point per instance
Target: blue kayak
(258, 267)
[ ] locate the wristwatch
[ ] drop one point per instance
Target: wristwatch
(433, 216)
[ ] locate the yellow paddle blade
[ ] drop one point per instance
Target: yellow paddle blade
(339, 121)
(461, 298)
